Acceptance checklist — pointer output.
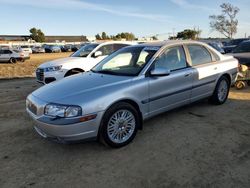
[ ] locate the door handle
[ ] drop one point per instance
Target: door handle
(215, 68)
(188, 74)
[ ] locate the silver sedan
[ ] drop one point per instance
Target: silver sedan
(111, 101)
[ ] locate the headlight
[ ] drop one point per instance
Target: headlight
(65, 111)
(55, 68)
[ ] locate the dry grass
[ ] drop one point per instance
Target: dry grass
(27, 69)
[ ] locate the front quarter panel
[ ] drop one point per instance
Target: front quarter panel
(101, 99)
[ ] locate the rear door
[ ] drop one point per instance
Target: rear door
(173, 90)
(205, 70)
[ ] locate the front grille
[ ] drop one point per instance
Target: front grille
(40, 74)
(32, 107)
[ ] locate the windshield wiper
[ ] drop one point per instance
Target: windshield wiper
(105, 72)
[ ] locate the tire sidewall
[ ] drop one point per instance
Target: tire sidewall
(215, 96)
(12, 60)
(103, 135)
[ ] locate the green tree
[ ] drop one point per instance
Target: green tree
(98, 37)
(104, 36)
(187, 34)
(37, 35)
(154, 38)
(225, 23)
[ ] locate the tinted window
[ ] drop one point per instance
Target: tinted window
(107, 49)
(199, 55)
(119, 46)
(7, 52)
(242, 48)
(173, 58)
(84, 51)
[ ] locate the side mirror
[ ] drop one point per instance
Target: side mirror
(97, 54)
(159, 72)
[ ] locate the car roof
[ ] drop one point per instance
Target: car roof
(246, 41)
(115, 42)
(170, 42)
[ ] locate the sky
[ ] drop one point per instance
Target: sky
(142, 17)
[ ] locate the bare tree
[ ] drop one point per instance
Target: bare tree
(225, 23)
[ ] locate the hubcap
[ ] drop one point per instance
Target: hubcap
(222, 90)
(121, 126)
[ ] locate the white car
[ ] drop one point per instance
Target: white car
(80, 61)
(12, 56)
(25, 49)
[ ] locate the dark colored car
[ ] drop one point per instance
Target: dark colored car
(52, 49)
(242, 53)
(228, 48)
(217, 46)
(74, 48)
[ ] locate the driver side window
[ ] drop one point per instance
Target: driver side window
(173, 58)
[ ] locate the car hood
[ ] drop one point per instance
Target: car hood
(82, 84)
(61, 61)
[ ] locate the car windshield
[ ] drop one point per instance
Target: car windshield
(242, 48)
(128, 61)
(85, 50)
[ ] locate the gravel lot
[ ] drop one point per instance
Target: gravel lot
(200, 145)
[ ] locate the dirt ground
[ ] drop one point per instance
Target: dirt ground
(27, 69)
(199, 145)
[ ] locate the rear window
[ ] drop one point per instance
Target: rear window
(199, 55)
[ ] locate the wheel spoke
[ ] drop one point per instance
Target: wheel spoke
(121, 126)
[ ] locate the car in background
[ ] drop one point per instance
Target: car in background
(52, 49)
(216, 45)
(232, 44)
(242, 53)
(25, 48)
(110, 102)
(12, 56)
(38, 49)
(67, 48)
(75, 47)
(80, 61)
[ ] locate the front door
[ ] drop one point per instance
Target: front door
(173, 90)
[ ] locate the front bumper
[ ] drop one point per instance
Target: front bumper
(48, 77)
(62, 132)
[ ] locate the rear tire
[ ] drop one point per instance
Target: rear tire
(12, 60)
(221, 91)
(119, 125)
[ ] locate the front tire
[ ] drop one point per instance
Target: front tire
(221, 91)
(119, 125)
